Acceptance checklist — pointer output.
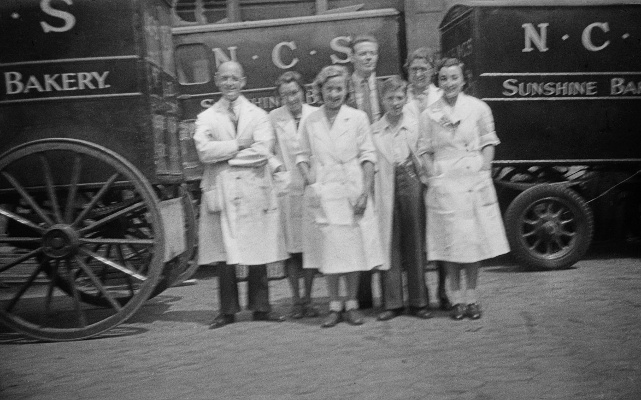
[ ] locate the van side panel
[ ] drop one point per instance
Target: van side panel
(564, 83)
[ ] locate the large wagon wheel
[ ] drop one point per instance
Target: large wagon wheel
(549, 227)
(174, 271)
(80, 214)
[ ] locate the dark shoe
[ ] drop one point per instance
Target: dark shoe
(445, 305)
(333, 318)
(311, 311)
(458, 312)
(473, 311)
(389, 314)
(297, 311)
(268, 316)
(222, 320)
(421, 312)
(353, 317)
(363, 305)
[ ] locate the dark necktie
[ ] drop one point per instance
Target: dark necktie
(367, 104)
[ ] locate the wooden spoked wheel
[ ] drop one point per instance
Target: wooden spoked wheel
(83, 224)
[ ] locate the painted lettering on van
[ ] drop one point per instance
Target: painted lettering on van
(540, 38)
(284, 54)
(68, 18)
(16, 83)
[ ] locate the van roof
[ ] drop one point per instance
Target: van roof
(456, 8)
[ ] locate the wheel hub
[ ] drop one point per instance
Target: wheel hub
(60, 241)
(550, 228)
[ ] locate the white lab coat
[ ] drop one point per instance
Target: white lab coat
(246, 230)
(301, 233)
(336, 153)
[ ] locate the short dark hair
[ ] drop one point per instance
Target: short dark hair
(289, 77)
(392, 84)
(362, 39)
(446, 63)
(422, 53)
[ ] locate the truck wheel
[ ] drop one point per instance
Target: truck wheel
(549, 227)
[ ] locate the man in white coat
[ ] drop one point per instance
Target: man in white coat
(239, 217)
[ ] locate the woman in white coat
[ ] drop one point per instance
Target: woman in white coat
(336, 143)
(464, 224)
(300, 233)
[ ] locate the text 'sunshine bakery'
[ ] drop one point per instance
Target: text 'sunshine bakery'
(563, 80)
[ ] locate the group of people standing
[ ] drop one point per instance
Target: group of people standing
(384, 175)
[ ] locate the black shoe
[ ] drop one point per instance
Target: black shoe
(333, 318)
(311, 311)
(389, 314)
(473, 311)
(353, 317)
(268, 316)
(458, 312)
(297, 311)
(421, 312)
(222, 320)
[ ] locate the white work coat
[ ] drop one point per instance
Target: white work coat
(385, 175)
(464, 222)
(296, 216)
(245, 227)
(349, 243)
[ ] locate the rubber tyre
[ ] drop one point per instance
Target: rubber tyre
(549, 227)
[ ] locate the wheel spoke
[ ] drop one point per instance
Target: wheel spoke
(111, 217)
(50, 286)
(21, 220)
(9, 239)
(50, 190)
(20, 259)
(73, 188)
(95, 199)
(82, 319)
(141, 242)
(130, 284)
(135, 253)
(557, 241)
(98, 284)
(112, 264)
(535, 244)
(24, 288)
(27, 198)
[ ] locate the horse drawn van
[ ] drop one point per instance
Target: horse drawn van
(91, 181)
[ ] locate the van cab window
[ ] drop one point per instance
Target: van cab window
(192, 64)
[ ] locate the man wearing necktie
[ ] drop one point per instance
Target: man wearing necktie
(239, 216)
(364, 96)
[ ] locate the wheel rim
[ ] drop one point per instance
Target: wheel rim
(88, 229)
(548, 228)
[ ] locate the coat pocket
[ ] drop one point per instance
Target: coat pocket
(214, 200)
(485, 190)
